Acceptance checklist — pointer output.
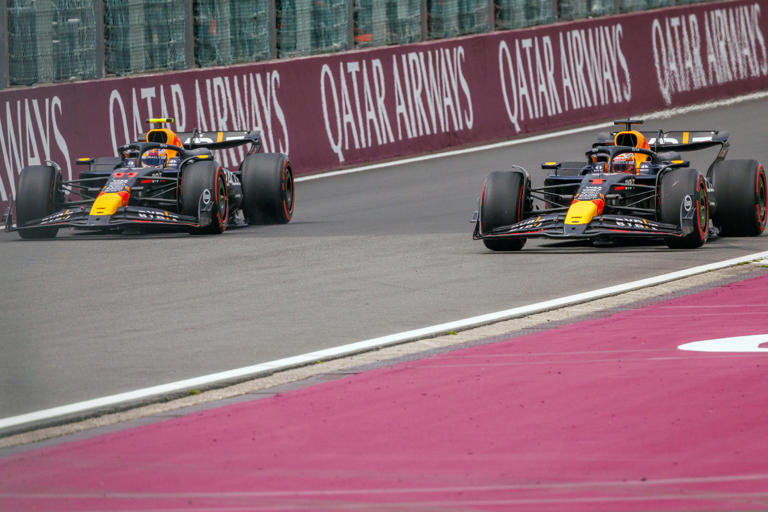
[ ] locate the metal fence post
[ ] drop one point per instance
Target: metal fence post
(189, 35)
(491, 16)
(350, 24)
(5, 62)
(424, 21)
(272, 15)
(98, 12)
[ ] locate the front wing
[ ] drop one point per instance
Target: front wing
(79, 217)
(604, 226)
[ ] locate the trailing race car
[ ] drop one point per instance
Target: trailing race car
(631, 184)
(166, 179)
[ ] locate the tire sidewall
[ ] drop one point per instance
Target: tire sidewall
(675, 186)
(37, 196)
(503, 202)
(741, 195)
(761, 200)
(195, 178)
(268, 188)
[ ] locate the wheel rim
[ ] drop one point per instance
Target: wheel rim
(761, 198)
(221, 196)
(703, 211)
(288, 190)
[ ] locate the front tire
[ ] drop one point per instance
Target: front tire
(197, 177)
(675, 186)
(268, 191)
(741, 194)
(38, 194)
(502, 203)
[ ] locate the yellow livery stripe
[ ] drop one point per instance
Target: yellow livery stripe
(107, 204)
(581, 212)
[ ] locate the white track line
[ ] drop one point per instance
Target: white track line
(410, 490)
(360, 346)
(663, 114)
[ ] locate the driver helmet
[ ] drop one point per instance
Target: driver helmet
(154, 158)
(624, 162)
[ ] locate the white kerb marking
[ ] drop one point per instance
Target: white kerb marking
(734, 344)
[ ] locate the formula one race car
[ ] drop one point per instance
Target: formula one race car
(631, 184)
(166, 180)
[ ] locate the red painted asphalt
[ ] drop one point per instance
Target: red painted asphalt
(602, 415)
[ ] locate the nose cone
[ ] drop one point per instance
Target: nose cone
(108, 203)
(581, 213)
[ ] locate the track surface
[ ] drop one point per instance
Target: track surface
(367, 255)
(601, 415)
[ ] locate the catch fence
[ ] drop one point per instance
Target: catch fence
(45, 41)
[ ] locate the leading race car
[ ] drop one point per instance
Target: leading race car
(631, 184)
(166, 180)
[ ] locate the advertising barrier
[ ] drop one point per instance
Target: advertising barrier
(336, 110)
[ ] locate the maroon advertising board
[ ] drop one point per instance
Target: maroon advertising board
(332, 111)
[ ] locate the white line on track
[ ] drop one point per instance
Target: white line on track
(361, 346)
(393, 339)
(410, 490)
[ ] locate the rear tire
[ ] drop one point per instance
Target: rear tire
(502, 203)
(675, 186)
(741, 195)
(38, 194)
(268, 191)
(195, 178)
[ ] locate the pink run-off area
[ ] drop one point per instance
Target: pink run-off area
(602, 415)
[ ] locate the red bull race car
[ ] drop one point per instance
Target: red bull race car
(166, 180)
(631, 184)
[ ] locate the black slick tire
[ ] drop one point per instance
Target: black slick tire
(675, 186)
(195, 178)
(502, 203)
(37, 196)
(268, 188)
(741, 195)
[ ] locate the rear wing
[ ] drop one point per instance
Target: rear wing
(219, 140)
(686, 141)
(676, 140)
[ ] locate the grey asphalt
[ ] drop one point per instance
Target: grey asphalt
(368, 254)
